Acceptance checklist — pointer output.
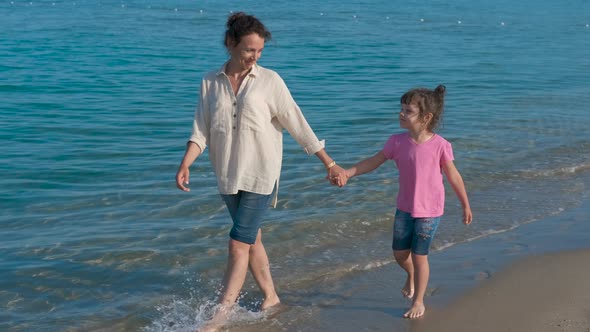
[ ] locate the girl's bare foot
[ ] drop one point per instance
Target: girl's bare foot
(417, 310)
(408, 290)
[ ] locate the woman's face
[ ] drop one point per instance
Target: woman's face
(247, 52)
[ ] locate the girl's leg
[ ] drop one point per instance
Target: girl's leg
(260, 268)
(424, 230)
(403, 258)
(421, 275)
(403, 233)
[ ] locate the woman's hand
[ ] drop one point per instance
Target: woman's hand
(182, 178)
(337, 176)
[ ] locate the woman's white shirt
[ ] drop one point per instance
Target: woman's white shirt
(244, 131)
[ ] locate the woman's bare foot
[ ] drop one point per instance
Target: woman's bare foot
(218, 320)
(270, 302)
(408, 290)
(209, 327)
(417, 310)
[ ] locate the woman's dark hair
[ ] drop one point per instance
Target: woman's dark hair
(241, 24)
(428, 101)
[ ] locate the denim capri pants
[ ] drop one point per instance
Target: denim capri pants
(247, 211)
(413, 233)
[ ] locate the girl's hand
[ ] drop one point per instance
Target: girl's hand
(467, 216)
(337, 176)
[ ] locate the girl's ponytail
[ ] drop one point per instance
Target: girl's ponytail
(440, 91)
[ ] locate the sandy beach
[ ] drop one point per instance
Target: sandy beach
(541, 285)
(532, 278)
(542, 293)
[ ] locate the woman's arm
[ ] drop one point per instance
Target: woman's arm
(190, 155)
(336, 174)
(456, 181)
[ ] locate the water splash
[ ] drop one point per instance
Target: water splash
(189, 313)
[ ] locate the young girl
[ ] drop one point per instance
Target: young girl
(420, 154)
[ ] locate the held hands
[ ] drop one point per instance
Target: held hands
(337, 176)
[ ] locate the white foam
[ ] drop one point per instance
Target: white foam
(181, 315)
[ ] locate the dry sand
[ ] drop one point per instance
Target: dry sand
(540, 293)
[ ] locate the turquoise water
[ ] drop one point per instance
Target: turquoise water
(96, 104)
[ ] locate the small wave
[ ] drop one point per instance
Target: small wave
(483, 234)
(566, 170)
(489, 232)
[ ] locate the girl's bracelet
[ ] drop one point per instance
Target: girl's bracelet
(330, 165)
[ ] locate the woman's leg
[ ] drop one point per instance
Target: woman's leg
(246, 248)
(235, 273)
(233, 280)
(260, 268)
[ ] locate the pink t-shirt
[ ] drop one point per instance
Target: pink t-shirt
(421, 189)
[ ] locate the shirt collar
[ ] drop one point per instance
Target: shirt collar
(253, 72)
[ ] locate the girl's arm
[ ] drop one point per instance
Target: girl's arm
(456, 181)
(367, 165)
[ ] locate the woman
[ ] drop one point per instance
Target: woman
(241, 116)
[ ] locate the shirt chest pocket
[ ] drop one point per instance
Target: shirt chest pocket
(219, 116)
(254, 115)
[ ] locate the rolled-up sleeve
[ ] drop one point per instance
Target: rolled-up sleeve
(200, 133)
(291, 118)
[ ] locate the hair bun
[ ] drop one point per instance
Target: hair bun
(440, 89)
(233, 18)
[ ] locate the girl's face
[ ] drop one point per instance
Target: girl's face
(409, 117)
(247, 52)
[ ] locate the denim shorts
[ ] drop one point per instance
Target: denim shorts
(247, 211)
(413, 233)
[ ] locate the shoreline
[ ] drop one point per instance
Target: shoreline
(540, 293)
(530, 256)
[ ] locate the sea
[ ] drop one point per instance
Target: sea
(97, 99)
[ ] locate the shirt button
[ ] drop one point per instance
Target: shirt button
(234, 127)
(235, 115)
(235, 103)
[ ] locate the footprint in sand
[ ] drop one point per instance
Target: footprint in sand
(516, 248)
(483, 275)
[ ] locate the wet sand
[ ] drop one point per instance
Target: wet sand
(532, 278)
(542, 293)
